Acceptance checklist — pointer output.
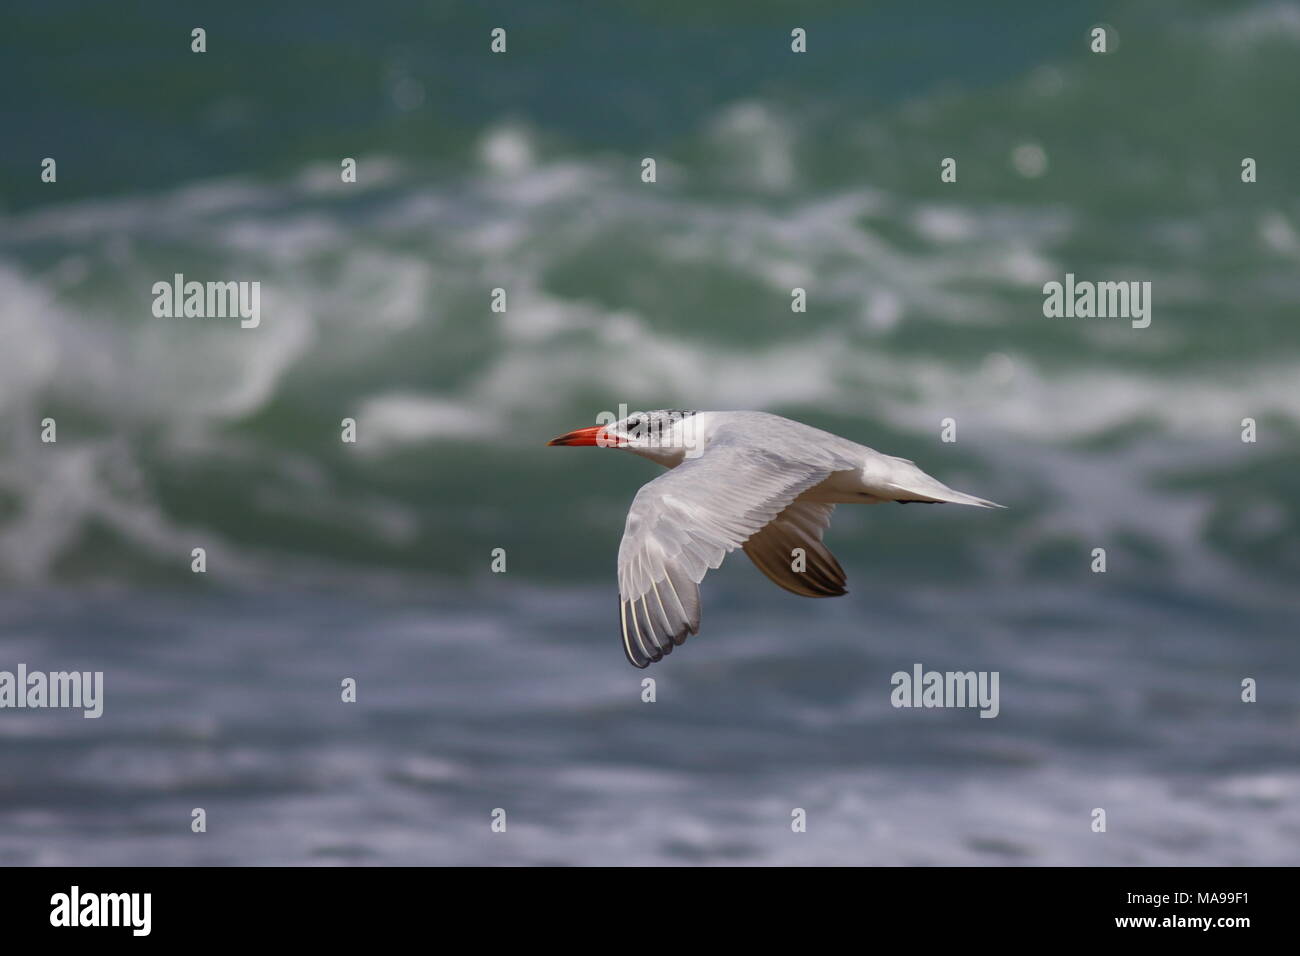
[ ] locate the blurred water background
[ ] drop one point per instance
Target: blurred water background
(522, 171)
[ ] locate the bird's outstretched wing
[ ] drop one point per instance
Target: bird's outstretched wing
(685, 521)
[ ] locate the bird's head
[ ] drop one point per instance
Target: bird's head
(667, 435)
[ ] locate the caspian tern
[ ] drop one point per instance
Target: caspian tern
(737, 479)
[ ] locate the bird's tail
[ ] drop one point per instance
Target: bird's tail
(916, 485)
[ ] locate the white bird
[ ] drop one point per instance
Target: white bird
(737, 479)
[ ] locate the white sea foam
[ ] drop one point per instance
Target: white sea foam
(351, 289)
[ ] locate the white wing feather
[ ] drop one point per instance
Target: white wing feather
(685, 521)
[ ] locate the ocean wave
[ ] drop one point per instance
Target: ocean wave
(925, 302)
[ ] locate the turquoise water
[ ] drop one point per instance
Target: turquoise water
(775, 171)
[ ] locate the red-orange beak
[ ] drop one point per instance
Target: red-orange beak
(595, 435)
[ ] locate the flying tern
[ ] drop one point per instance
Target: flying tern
(748, 480)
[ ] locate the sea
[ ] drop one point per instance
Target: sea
(404, 649)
